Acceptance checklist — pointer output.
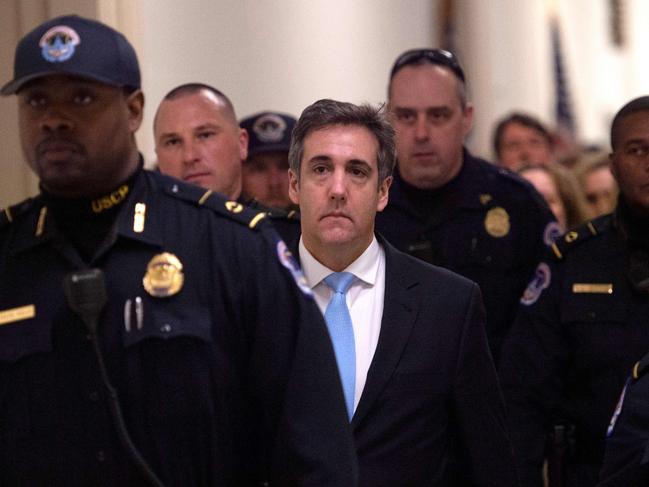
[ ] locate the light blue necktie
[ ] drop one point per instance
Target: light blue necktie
(339, 323)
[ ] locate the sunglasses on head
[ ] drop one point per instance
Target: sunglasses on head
(439, 57)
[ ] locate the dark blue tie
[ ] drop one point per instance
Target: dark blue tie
(339, 323)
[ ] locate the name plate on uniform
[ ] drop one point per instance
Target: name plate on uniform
(592, 288)
(17, 314)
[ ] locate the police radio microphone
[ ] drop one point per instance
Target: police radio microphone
(85, 292)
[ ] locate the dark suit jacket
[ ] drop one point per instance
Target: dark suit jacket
(431, 404)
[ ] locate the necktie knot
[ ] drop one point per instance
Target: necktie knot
(339, 281)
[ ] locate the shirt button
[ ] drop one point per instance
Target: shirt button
(94, 396)
(101, 456)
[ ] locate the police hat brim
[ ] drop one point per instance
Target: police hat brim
(15, 85)
(266, 148)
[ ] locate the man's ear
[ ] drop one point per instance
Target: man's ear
(243, 144)
(467, 119)
(135, 106)
(384, 191)
(293, 187)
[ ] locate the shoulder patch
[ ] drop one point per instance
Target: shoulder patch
(201, 197)
(286, 258)
(572, 238)
(540, 281)
(551, 233)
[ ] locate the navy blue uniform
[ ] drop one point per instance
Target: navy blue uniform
(626, 461)
(581, 326)
(236, 365)
(285, 222)
(486, 224)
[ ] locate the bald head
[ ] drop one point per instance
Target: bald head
(193, 88)
(198, 139)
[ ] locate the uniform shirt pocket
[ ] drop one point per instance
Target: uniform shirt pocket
(23, 338)
(594, 308)
(162, 322)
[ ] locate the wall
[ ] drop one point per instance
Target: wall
(278, 54)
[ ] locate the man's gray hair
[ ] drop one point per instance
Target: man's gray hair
(326, 113)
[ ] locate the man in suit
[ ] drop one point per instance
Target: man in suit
(420, 385)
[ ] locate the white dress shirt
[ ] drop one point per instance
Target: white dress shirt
(364, 300)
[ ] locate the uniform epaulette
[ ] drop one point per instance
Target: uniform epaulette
(580, 234)
(640, 368)
(209, 199)
(9, 214)
(272, 212)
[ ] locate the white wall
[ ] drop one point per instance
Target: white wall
(505, 46)
(277, 54)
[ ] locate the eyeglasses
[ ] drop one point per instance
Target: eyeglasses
(439, 57)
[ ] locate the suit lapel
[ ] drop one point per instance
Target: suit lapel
(399, 313)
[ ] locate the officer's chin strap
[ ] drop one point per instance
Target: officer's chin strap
(86, 295)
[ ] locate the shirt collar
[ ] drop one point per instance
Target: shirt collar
(39, 228)
(364, 268)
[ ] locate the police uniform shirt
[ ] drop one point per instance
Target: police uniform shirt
(285, 221)
(226, 361)
(487, 224)
(582, 324)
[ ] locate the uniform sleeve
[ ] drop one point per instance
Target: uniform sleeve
(628, 443)
(308, 437)
(479, 410)
(534, 359)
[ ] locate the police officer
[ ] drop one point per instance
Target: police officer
(199, 140)
(265, 171)
(583, 319)
(449, 207)
(197, 357)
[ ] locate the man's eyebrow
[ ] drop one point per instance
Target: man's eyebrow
(636, 141)
(207, 125)
(359, 162)
(320, 158)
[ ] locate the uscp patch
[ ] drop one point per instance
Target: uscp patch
(59, 43)
(288, 261)
(551, 233)
(539, 282)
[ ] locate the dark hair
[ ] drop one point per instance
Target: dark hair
(636, 105)
(435, 57)
(522, 119)
(326, 113)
